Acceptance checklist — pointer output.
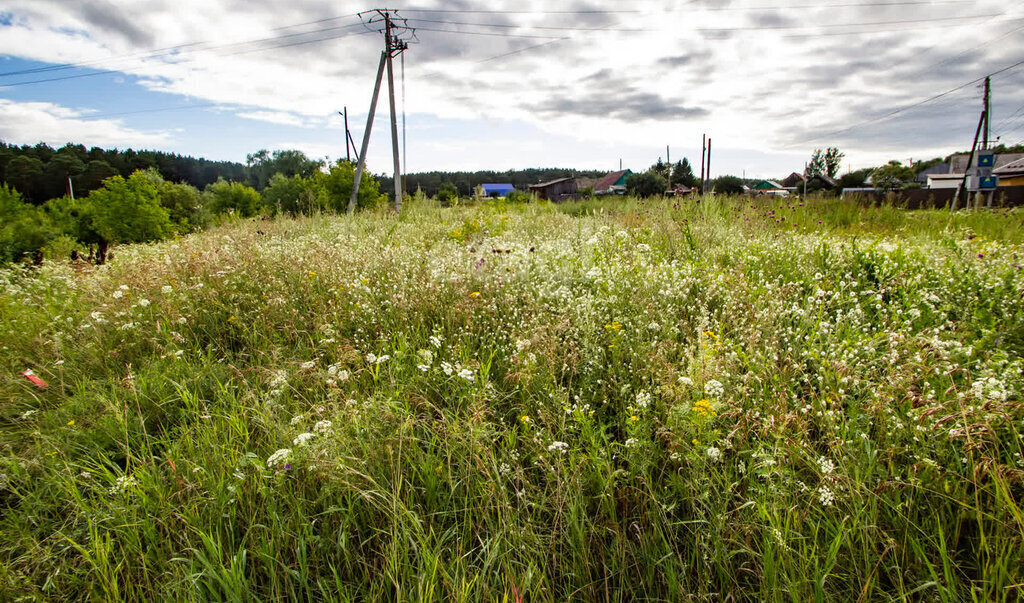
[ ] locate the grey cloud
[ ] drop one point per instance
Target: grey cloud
(772, 19)
(626, 105)
(111, 19)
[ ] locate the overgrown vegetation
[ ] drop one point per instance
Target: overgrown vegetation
(689, 399)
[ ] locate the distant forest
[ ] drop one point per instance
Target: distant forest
(41, 172)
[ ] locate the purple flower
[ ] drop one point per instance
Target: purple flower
(287, 465)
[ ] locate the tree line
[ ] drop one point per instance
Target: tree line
(147, 206)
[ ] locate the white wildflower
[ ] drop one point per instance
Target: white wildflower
(714, 454)
(466, 374)
(118, 294)
(643, 399)
(29, 413)
(307, 365)
(144, 302)
(166, 289)
(714, 388)
(423, 367)
(322, 426)
(303, 438)
(826, 465)
(825, 496)
(558, 447)
(282, 455)
(123, 485)
(447, 368)
(686, 381)
(435, 341)
(297, 419)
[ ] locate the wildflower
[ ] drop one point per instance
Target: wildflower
(558, 447)
(475, 294)
(343, 375)
(297, 419)
(423, 367)
(686, 381)
(826, 465)
(322, 426)
(29, 413)
(71, 423)
(525, 419)
(714, 454)
(435, 341)
(182, 320)
(447, 368)
(632, 443)
(231, 319)
(426, 355)
(144, 302)
(466, 374)
(714, 388)
(123, 485)
(282, 455)
(643, 399)
(166, 289)
(634, 418)
(303, 438)
(118, 294)
(307, 365)
(703, 408)
(825, 496)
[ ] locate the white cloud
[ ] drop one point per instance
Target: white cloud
(31, 122)
(773, 80)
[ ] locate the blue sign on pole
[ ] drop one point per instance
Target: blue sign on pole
(986, 159)
(988, 182)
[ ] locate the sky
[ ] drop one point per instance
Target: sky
(505, 84)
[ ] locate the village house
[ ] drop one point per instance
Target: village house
(614, 183)
(555, 190)
(497, 190)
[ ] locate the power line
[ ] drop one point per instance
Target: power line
(507, 26)
(835, 25)
(159, 110)
(490, 33)
(188, 47)
(246, 51)
(917, 104)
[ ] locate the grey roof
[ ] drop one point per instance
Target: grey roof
(938, 168)
(1014, 168)
(958, 163)
(549, 183)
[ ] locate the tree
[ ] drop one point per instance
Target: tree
(233, 197)
(825, 162)
(447, 193)
(646, 184)
(893, 176)
(24, 229)
(262, 165)
(92, 177)
(854, 179)
(184, 205)
(292, 194)
(128, 211)
(337, 185)
(682, 175)
(25, 174)
(728, 185)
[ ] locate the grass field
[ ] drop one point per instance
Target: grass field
(602, 400)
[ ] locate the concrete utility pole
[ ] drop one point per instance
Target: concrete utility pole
(983, 126)
(668, 159)
(392, 46)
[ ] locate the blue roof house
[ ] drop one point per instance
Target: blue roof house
(497, 190)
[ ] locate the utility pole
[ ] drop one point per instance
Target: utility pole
(703, 151)
(668, 159)
(983, 125)
(988, 118)
(392, 46)
(709, 162)
(348, 147)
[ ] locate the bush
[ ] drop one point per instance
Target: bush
(24, 229)
(233, 197)
(292, 194)
(728, 185)
(647, 184)
(337, 187)
(447, 193)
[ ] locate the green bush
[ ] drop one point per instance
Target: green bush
(337, 185)
(233, 197)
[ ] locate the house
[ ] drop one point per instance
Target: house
(555, 190)
(497, 190)
(796, 182)
(769, 187)
(944, 180)
(938, 168)
(614, 183)
(1010, 174)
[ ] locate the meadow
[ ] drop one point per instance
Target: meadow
(661, 400)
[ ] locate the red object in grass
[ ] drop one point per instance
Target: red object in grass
(31, 376)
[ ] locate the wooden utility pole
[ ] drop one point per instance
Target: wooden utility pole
(348, 147)
(709, 161)
(983, 122)
(988, 118)
(703, 151)
(392, 47)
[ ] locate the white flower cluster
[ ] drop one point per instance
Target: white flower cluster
(124, 485)
(561, 447)
(280, 457)
(714, 388)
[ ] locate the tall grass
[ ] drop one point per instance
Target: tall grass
(661, 400)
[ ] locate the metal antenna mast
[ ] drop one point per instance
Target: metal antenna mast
(394, 30)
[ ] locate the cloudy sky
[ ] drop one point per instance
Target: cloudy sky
(513, 84)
